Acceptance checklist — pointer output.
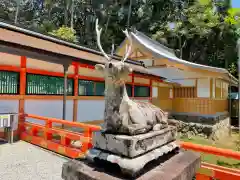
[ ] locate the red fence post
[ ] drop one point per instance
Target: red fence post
(65, 141)
(34, 131)
(47, 135)
(88, 144)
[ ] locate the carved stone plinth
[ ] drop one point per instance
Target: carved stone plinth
(181, 166)
(130, 166)
(132, 146)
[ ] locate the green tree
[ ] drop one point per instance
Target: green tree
(202, 31)
(49, 5)
(65, 33)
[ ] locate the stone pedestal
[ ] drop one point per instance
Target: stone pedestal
(131, 166)
(180, 166)
(132, 155)
(132, 146)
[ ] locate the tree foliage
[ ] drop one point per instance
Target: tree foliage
(65, 33)
(204, 31)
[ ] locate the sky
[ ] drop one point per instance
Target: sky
(236, 3)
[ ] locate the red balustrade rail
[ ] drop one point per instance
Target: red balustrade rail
(30, 132)
(45, 135)
(210, 171)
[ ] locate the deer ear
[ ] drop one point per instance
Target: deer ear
(130, 70)
(99, 67)
(127, 69)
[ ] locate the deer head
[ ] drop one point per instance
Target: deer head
(113, 71)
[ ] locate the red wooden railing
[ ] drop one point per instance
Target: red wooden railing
(30, 132)
(210, 171)
(45, 135)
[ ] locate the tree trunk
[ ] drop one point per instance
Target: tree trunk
(180, 46)
(66, 12)
(106, 28)
(129, 14)
(17, 12)
(49, 6)
(49, 12)
(72, 14)
(87, 29)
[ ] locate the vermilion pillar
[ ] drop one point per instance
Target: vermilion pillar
(150, 89)
(75, 100)
(22, 92)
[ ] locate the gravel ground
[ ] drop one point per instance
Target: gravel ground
(23, 161)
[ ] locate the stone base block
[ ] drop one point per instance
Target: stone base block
(180, 166)
(132, 146)
(214, 132)
(131, 166)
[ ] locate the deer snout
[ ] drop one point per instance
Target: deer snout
(110, 65)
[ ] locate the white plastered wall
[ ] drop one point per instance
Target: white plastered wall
(186, 82)
(203, 88)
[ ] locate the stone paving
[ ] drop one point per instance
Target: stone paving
(23, 161)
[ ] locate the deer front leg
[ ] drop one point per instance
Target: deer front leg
(161, 121)
(139, 123)
(137, 116)
(124, 116)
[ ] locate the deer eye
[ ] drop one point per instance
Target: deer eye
(110, 65)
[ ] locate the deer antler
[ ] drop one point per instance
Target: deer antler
(99, 31)
(130, 47)
(112, 52)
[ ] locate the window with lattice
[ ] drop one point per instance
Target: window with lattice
(141, 91)
(47, 85)
(9, 82)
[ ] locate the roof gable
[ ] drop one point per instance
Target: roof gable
(160, 51)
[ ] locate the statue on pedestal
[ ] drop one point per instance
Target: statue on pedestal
(134, 134)
(132, 130)
(123, 115)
